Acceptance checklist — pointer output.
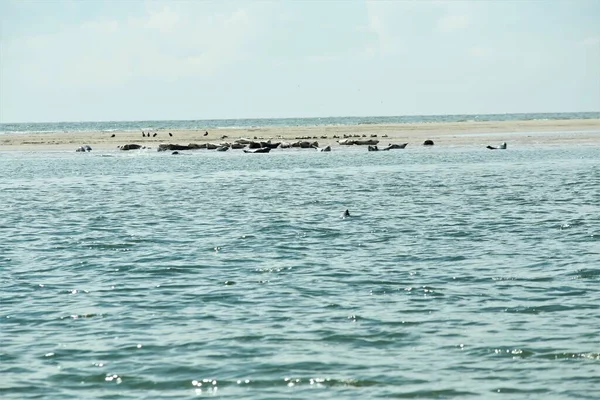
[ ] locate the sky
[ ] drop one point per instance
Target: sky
(173, 60)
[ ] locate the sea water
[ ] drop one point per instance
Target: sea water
(201, 124)
(460, 272)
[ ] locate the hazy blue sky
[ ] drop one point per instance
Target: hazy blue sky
(133, 60)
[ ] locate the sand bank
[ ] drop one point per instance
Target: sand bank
(547, 132)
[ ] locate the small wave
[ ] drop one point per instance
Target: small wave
(586, 273)
(235, 127)
(564, 356)
(549, 308)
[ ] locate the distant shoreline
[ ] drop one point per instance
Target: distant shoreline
(443, 133)
(288, 122)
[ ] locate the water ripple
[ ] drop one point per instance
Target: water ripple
(145, 276)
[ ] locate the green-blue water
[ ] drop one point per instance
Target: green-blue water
(461, 273)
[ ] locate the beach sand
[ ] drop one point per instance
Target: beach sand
(546, 132)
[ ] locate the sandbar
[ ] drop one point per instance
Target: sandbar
(468, 133)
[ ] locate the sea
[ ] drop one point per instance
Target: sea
(460, 273)
(120, 126)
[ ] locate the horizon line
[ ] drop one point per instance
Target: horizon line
(315, 117)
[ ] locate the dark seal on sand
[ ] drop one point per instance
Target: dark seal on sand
(501, 147)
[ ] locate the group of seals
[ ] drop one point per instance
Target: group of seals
(359, 142)
(390, 147)
(251, 146)
(428, 142)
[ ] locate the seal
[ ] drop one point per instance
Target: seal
(395, 146)
(260, 150)
(326, 148)
(131, 146)
(501, 147)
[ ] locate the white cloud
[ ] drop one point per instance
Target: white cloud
(382, 19)
(395, 25)
(101, 27)
(451, 23)
(163, 43)
(591, 41)
(481, 52)
(322, 58)
(164, 20)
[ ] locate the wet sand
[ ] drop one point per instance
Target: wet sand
(546, 132)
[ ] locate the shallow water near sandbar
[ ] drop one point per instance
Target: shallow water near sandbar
(461, 272)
